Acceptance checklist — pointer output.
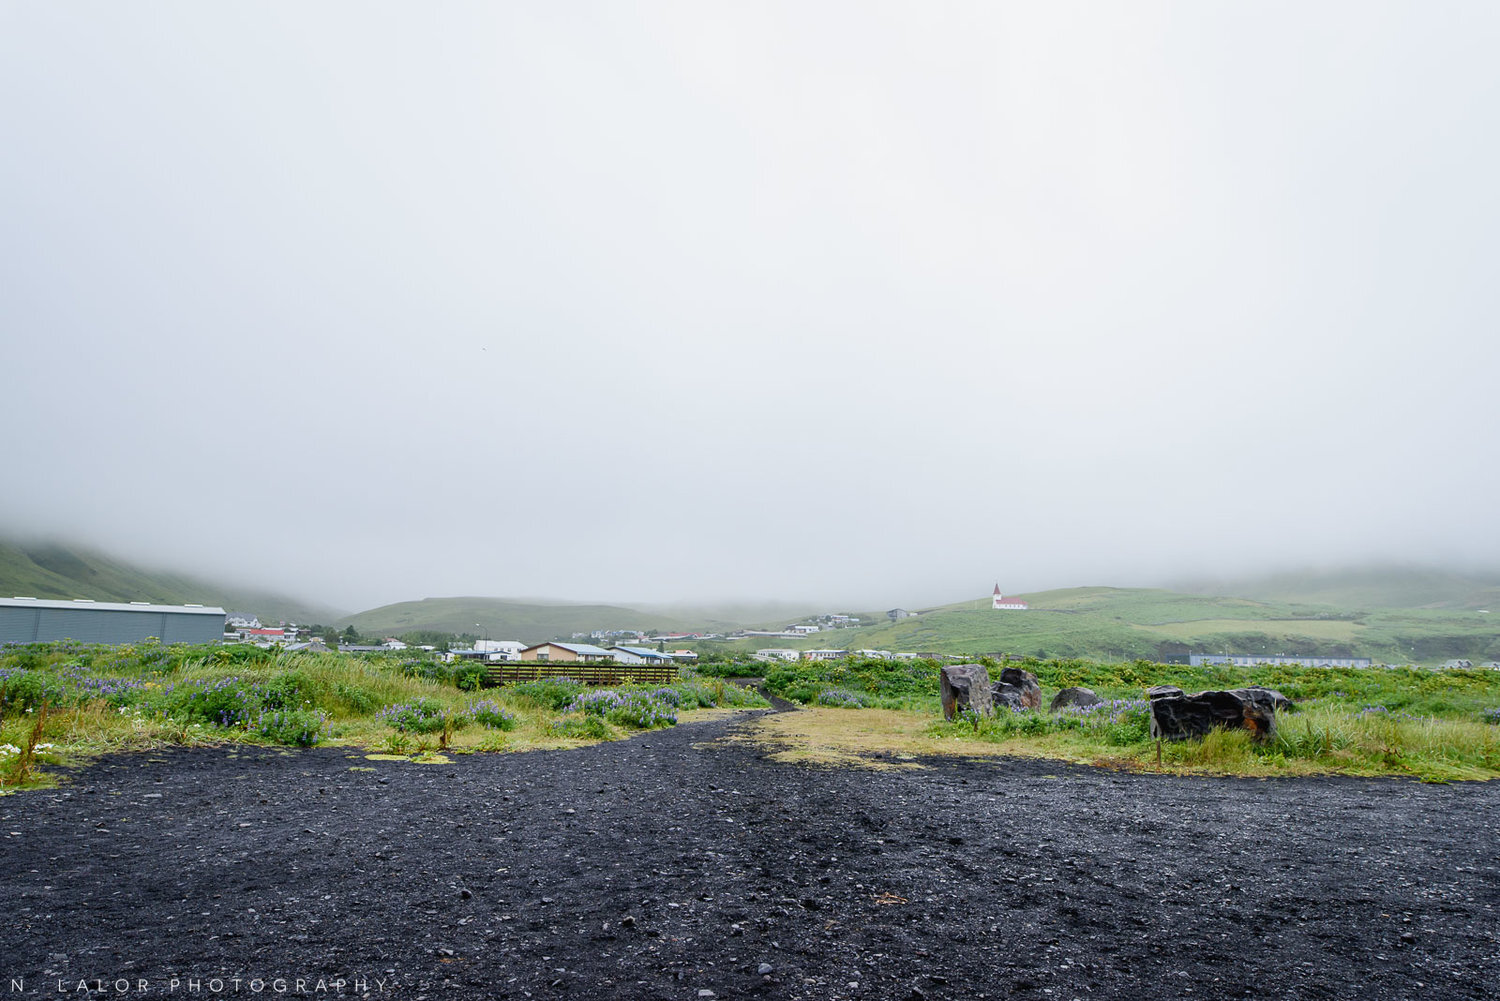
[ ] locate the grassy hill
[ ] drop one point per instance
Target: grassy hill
(1112, 623)
(502, 618)
(1367, 587)
(1390, 614)
(61, 571)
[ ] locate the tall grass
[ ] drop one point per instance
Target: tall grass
(98, 699)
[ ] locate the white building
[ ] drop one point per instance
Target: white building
(1000, 601)
(639, 655)
(500, 650)
(824, 654)
(776, 653)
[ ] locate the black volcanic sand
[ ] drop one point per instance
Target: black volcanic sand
(677, 863)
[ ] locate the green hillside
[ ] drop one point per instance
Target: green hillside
(501, 618)
(60, 571)
(1367, 587)
(1126, 623)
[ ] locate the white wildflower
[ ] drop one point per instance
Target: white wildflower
(9, 749)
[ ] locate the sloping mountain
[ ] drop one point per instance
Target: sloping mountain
(1392, 586)
(1123, 623)
(62, 571)
(530, 621)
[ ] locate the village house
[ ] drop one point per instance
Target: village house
(639, 655)
(500, 650)
(769, 654)
(566, 653)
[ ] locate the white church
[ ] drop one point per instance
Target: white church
(1000, 601)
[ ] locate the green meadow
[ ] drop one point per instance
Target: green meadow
(1130, 623)
(63, 703)
(1433, 725)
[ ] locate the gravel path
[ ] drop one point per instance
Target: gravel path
(677, 863)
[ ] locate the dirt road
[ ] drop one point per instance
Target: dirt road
(678, 863)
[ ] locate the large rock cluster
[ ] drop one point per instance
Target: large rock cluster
(1017, 689)
(1175, 715)
(964, 686)
(967, 686)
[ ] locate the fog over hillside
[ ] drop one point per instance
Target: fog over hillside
(859, 304)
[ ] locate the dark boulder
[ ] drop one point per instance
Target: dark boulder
(1073, 698)
(1270, 698)
(1177, 716)
(1018, 689)
(964, 686)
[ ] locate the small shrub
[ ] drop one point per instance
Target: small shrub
(115, 691)
(488, 714)
(29, 689)
(469, 675)
(227, 702)
(420, 715)
(580, 726)
(356, 698)
(841, 698)
(694, 694)
(550, 693)
(426, 668)
(739, 695)
(1031, 723)
(599, 702)
(285, 691)
(1491, 716)
(642, 712)
(298, 727)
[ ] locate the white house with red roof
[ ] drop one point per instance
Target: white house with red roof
(1000, 601)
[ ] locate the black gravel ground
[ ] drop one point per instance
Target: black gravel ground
(677, 863)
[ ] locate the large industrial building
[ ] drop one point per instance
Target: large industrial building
(34, 620)
(1256, 659)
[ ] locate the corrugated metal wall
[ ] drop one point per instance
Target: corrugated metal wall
(19, 625)
(99, 625)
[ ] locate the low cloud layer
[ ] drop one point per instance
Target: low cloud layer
(847, 302)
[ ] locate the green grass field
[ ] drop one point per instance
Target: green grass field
(64, 703)
(1434, 725)
(1129, 623)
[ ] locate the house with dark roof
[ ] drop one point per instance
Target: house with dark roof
(639, 655)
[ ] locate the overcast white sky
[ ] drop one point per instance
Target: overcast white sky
(859, 302)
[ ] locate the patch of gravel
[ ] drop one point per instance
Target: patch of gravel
(675, 864)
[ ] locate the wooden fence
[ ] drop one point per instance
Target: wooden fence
(598, 673)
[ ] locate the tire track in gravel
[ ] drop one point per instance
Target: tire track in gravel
(678, 862)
